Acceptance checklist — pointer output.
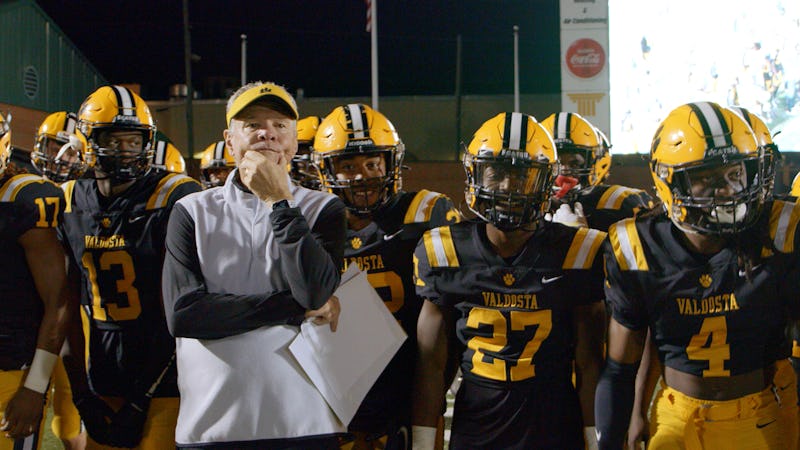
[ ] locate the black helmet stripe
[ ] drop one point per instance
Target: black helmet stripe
(356, 121)
(127, 105)
(160, 156)
(515, 131)
(744, 113)
(219, 151)
(715, 128)
(561, 125)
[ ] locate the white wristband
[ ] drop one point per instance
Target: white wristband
(41, 368)
(423, 438)
(590, 435)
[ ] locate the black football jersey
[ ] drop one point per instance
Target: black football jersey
(385, 250)
(118, 243)
(606, 204)
(709, 316)
(514, 317)
(26, 202)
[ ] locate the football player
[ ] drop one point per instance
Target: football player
(33, 295)
(216, 163)
(58, 156)
(522, 297)
(581, 195)
(167, 157)
(712, 272)
(303, 171)
(359, 155)
(58, 150)
(114, 226)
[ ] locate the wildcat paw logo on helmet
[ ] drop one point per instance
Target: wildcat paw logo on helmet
(707, 169)
(105, 116)
(583, 152)
(59, 148)
(358, 131)
(510, 164)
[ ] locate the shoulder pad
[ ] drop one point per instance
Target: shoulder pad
(583, 248)
(628, 249)
(9, 190)
(167, 185)
(439, 247)
(783, 221)
(613, 197)
(421, 207)
(68, 188)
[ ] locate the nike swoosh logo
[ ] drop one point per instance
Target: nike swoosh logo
(389, 237)
(743, 273)
(135, 218)
(762, 425)
(546, 280)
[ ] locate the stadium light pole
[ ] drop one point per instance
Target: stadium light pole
(187, 61)
(516, 68)
(244, 58)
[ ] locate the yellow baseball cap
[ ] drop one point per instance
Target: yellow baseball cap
(262, 91)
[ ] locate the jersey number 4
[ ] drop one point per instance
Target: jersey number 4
(488, 359)
(121, 304)
(711, 344)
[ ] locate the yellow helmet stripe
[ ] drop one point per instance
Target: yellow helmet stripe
(613, 197)
(583, 249)
(783, 224)
(164, 189)
(626, 245)
(439, 247)
(68, 188)
(421, 207)
(9, 191)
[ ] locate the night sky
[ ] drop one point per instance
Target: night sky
(320, 46)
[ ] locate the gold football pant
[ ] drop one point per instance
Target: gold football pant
(10, 381)
(66, 420)
(753, 422)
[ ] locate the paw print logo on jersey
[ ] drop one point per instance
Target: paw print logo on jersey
(106, 222)
(355, 243)
(705, 280)
(508, 279)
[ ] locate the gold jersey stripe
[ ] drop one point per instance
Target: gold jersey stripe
(68, 188)
(439, 247)
(627, 247)
(613, 197)
(164, 189)
(419, 211)
(583, 249)
(783, 223)
(9, 191)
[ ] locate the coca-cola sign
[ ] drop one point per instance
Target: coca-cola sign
(585, 58)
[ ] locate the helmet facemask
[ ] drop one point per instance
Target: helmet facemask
(507, 191)
(575, 162)
(722, 195)
(120, 165)
(59, 158)
(303, 170)
(362, 195)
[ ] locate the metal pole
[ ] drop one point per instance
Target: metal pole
(458, 97)
(187, 61)
(244, 59)
(374, 53)
(516, 68)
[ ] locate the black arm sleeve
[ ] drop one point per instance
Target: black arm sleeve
(193, 312)
(311, 259)
(613, 404)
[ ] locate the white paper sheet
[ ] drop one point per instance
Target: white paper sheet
(344, 365)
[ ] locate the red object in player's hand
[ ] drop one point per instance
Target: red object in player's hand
(564, 183)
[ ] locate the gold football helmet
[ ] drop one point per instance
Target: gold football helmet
(795, 192)
(59, 148)
(357, 130)
(216, 163)
(772, 156)
(582, 153)
(167, 157)
(113, 109)
(5, 141)
(511, 164)
(693, 140)
(303, 171)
